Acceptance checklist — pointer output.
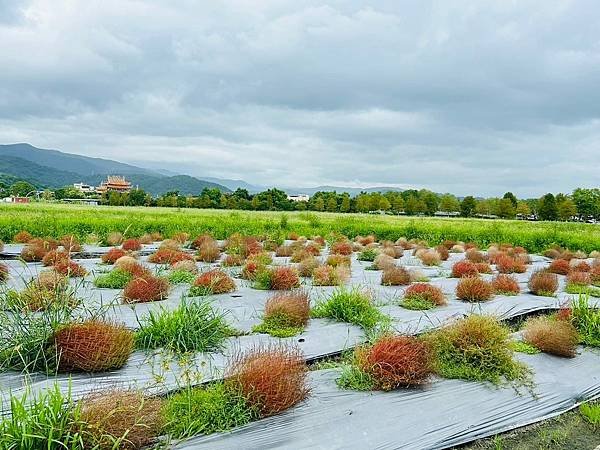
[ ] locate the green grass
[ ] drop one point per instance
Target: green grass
(194, 326)
(592, 291)
(181, 276)
(56, 220)
(591, 412)
(354, 378)
(368, 254)
(278, 325)
(524, 347)
(417, 304)
(352, 306)
(587, 321)
(205, 410)
(115, 279)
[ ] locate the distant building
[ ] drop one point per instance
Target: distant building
(114, 183)
(16, 199)
(84, 188)
(299, 198)
(447, 213)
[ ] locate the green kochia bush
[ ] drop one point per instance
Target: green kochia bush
(193, 326)
(587, 321)
(181, 276)
(115, 279)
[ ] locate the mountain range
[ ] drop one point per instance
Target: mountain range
(54, 169)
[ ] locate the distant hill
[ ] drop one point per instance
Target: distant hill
(339, 189)
(54, 169)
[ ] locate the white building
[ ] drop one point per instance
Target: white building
(82, 187)
(298, 198)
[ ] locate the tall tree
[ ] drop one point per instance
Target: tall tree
(467, 206)
(547, 208)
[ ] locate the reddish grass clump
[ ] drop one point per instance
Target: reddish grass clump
(559, 266)
(131, 245)
(3, 272)
(202, 239)
(330, 276)
(272, 379)
(395, 276)
(22, 237)
(307, 265)
(506, 285)
(92, 346)
(124, 417)
(579, 278)
(464, 268)
(475, 256)
(338, 260)
(146, 289)
(443, 252)
(284, 278)
(208, 251)
(473, 289)
(397, 361)
(111, 256)
(382, 262)
(483, 267)
(251, 269)
(70, 243)
(557, 337)
(426, 292)
(33, 252)
(70, 268)
(114, 238)
(168, 256)
(233, 260)
(293, 236)
(508, 264)
(53, 256)
(543, 283)
(215, 282)
(430, 258)
(293, 308)
(341, 248)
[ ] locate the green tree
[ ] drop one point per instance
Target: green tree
(467, 206)
(505, 209)
(566, 209)
(384, 204)
(547, 208)
(22, 189)
(449, 203)
(345, 206)
(398, 203)
(332, 205)
(523, 209)
(319, 204)
(512, 198)
(587, 202)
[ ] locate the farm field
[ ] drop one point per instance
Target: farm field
(218, 329)
(55, 220)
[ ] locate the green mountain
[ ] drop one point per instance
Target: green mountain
(65, 169)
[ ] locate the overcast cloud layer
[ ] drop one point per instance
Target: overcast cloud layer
(456, 96)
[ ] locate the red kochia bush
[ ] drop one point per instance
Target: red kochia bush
(53, 256)
(506, 285)
(427, 292)
(33, 252)
(168, 256)
(271, 379)
(395, 276)
(294, 307)
(396, 361)
(70, 268)
(22, 237)
(508, 264)
(215, 281)
(70, 243)
(473, 289)
(111, 256)
(559, 266)
(341, 248)
(579, 278)
(146, 289)
(208, 251)
(131, 245)
(464, 268)
(92, 346)
(475, 256)
(543, 283)
(284, 278)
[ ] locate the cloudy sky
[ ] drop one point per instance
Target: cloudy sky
(457, 96)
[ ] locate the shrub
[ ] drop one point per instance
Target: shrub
(579, 278)
(422, 296)
(22, 237)
(116, 418)
(383, 262)
(330, 276)
(473, 289)
(475, 256)
(431, 258)
(170, 244)
(285, 314)
(277, 278)
(559, 266)
(146, 289)
(180, 237)
(586, 321)
(396, 361)
(368, 254)
(475, 348)
(146, 239)
(251, 269)
(131, 245)
(211, 409)
(506, 285)
(339, 260)
(307, 265)
(233, 260)
(351, 306)
(212, 282)
(191, 327)
(70, 243)
(464, 268)
(169, 256)
(92, 346)
(115, 238)
(341, 248)
(132, 266)
(395, 276)
(185, 265)
(579, 266)
(457, 249)
(299, 255)
(53, 256)
(443, 252)
(508, 264)
(208, 251)
(284, 251)
(33, 252)
(271, 379)
(70, 268)
(543, 283)
(111, 256)
(115, 279)
(181, 276)
(201, 240)
(557, 337)
(4, 273)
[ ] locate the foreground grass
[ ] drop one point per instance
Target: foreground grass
(568, 431)
(56, 220)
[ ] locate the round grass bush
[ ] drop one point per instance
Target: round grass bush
(396, 361)
(330, 276)
(368, 254)
(431, 258)
(557, 337)
(475, 256)
(115, 238)
(277, 278)
(352, 306)
(201, 240)
(543, 283)
(111, 256)
(270, 378)
(341, 248)
(579, 278)
(307, 265)
(505, 284)
(338, 260)
(559, 266)
(33, 252)
(53, 256)
(131, 245)
(464, 268)
(117, 418)
(422, 296)
(70, 243)
(286, 314)
(115, 279)
(443, 252)
(169, 256)
(476, 348)
(212, 282)
(185, 265)
(22, 237)
(70, 268)
(92, 346)
(395, 276)
(146, 289)
(233, 260)
(208, 251)
(383, 262)
(474, 289)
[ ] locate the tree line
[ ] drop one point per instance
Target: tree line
(581, 204)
